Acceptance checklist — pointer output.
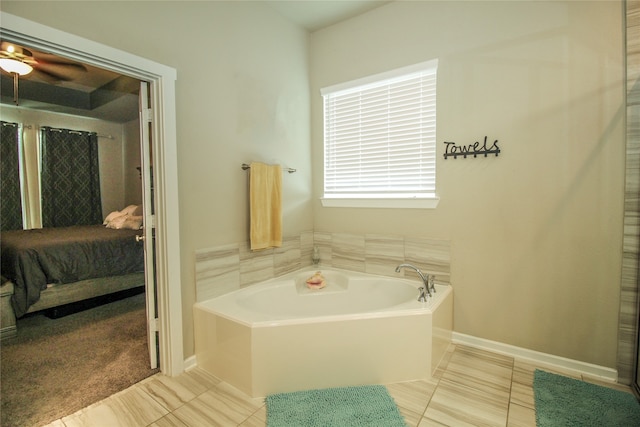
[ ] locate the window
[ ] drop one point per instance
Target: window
(50, 181)
(379, 140)
(70, 178)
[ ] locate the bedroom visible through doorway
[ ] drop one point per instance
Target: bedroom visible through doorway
(123, 103)
(167, 231)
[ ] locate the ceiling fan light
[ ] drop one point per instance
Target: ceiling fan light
(15, 66)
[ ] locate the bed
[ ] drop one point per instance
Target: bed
(48, 267)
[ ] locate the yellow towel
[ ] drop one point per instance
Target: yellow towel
(265, 205)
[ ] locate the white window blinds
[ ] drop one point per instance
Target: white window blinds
(379, 135)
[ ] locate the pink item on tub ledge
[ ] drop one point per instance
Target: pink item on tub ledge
(316, 281)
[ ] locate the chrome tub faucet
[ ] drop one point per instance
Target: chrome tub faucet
(427, 280)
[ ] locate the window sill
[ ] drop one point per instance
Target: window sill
(422, 203)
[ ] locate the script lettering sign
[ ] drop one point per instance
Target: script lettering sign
(475, 149)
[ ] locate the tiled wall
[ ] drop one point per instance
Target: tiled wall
(226, 268)
(627, 328)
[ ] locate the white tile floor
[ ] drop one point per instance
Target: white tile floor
(470, 388)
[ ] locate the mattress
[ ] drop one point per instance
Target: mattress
(32, 259)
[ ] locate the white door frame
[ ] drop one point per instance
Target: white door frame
(162, 79)
(146, 132)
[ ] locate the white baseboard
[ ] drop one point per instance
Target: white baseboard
(190, 363)
(542, 359)
(539, 358)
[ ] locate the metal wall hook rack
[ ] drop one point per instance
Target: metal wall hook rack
(476, 149)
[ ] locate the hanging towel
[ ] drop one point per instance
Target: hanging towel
(265, 204)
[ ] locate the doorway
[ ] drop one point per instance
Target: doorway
(162, 123)
(110, 127)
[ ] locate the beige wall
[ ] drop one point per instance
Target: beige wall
(536, 232)
(131, 152)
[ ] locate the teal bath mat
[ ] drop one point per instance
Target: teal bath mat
(334, 407)
(562, 402)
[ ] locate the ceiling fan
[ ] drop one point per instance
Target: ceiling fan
(19, 61)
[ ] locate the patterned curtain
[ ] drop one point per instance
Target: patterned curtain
(11, 203)
(70, 179)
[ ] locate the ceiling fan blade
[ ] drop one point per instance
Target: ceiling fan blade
(48, 60)
(50, 75)
(60, 70)
(48, 67)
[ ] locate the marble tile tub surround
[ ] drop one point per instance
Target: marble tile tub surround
(223, 269)
(627, 326)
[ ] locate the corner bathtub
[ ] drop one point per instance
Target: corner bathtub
(279, 336)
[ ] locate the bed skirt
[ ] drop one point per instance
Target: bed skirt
(57, 295)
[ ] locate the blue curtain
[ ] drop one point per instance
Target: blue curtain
(70, 178)
(11, 203)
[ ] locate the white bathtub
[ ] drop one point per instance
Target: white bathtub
(279, 336)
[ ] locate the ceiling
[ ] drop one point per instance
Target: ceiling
(83, 91)
(93, 92)
(314, 15)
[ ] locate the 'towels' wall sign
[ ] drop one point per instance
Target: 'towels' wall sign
(474, 149)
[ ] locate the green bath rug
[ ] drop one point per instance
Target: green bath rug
(338, 407)
(562, 402)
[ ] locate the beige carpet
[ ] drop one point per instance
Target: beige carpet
(55, 367)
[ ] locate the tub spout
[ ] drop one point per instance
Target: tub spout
(425, 281)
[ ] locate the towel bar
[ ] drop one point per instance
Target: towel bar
(246, 166)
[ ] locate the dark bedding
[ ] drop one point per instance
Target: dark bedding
(31, 259)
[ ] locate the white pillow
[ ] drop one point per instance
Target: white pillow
(133, 222)
(129, 210)
(111, 217)
(118, 221)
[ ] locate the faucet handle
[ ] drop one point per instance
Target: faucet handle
(423, 294)
(432, 284)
